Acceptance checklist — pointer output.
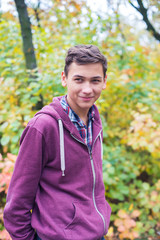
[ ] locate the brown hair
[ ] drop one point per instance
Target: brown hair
(84, 54)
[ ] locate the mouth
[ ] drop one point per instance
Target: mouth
(86, 98)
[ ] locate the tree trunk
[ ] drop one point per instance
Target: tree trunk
(28, 48)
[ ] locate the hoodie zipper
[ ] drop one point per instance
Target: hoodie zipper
(94, 178)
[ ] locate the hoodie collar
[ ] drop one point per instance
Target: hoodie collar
(56, 111)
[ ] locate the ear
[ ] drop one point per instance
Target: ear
(63, 79)
(104, 83)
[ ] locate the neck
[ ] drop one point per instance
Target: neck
(84, 119)
(82, 114)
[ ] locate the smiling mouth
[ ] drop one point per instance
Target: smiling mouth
(86, 98)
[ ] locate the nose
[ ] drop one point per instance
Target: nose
(87, 89)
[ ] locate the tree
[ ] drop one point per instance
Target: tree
(144, 12)
(149, 10)
(28, 47)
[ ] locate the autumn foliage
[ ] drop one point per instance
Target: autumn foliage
(129, 107)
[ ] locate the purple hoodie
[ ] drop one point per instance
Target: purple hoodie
(57, 186)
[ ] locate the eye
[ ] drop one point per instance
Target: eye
(78, 79)
(96, 80)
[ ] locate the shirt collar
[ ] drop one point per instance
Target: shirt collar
(72, 115)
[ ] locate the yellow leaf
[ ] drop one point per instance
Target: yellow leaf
(131, 207)
(110, 232)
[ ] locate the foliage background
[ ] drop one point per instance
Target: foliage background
(129, 107)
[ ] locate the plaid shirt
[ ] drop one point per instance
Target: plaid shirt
(85, 131)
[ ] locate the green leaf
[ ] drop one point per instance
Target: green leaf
(5, 140)
(15, 139)
(145, 186)
(3, 126)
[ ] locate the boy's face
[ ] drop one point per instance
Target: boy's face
(84, 84)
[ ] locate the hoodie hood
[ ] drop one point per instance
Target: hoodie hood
(55, 110)
(51, 110)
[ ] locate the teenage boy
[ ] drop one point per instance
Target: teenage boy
(57, 190)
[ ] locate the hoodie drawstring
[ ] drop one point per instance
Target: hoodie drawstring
(62, 155)
(101, 146)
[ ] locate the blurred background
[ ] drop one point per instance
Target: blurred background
(34, 38)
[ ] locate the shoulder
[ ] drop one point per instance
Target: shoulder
(43, 123)
(40, 128)
(97, 119)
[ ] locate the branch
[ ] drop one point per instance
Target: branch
(37, 16)
(134, 6)
(143, 11)
(36, 10)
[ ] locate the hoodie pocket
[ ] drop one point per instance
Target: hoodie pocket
(76, 219)
(72, 230)
(85, 223)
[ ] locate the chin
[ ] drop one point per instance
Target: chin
(86, 106)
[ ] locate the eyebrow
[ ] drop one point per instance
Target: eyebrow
(80, 76)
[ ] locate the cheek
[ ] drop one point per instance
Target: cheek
(98, 90)
(72, 90)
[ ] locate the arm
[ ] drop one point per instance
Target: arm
(23, 186)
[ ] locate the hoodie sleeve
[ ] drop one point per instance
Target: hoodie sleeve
(23, 185)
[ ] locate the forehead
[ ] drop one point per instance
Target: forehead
(86, 70)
